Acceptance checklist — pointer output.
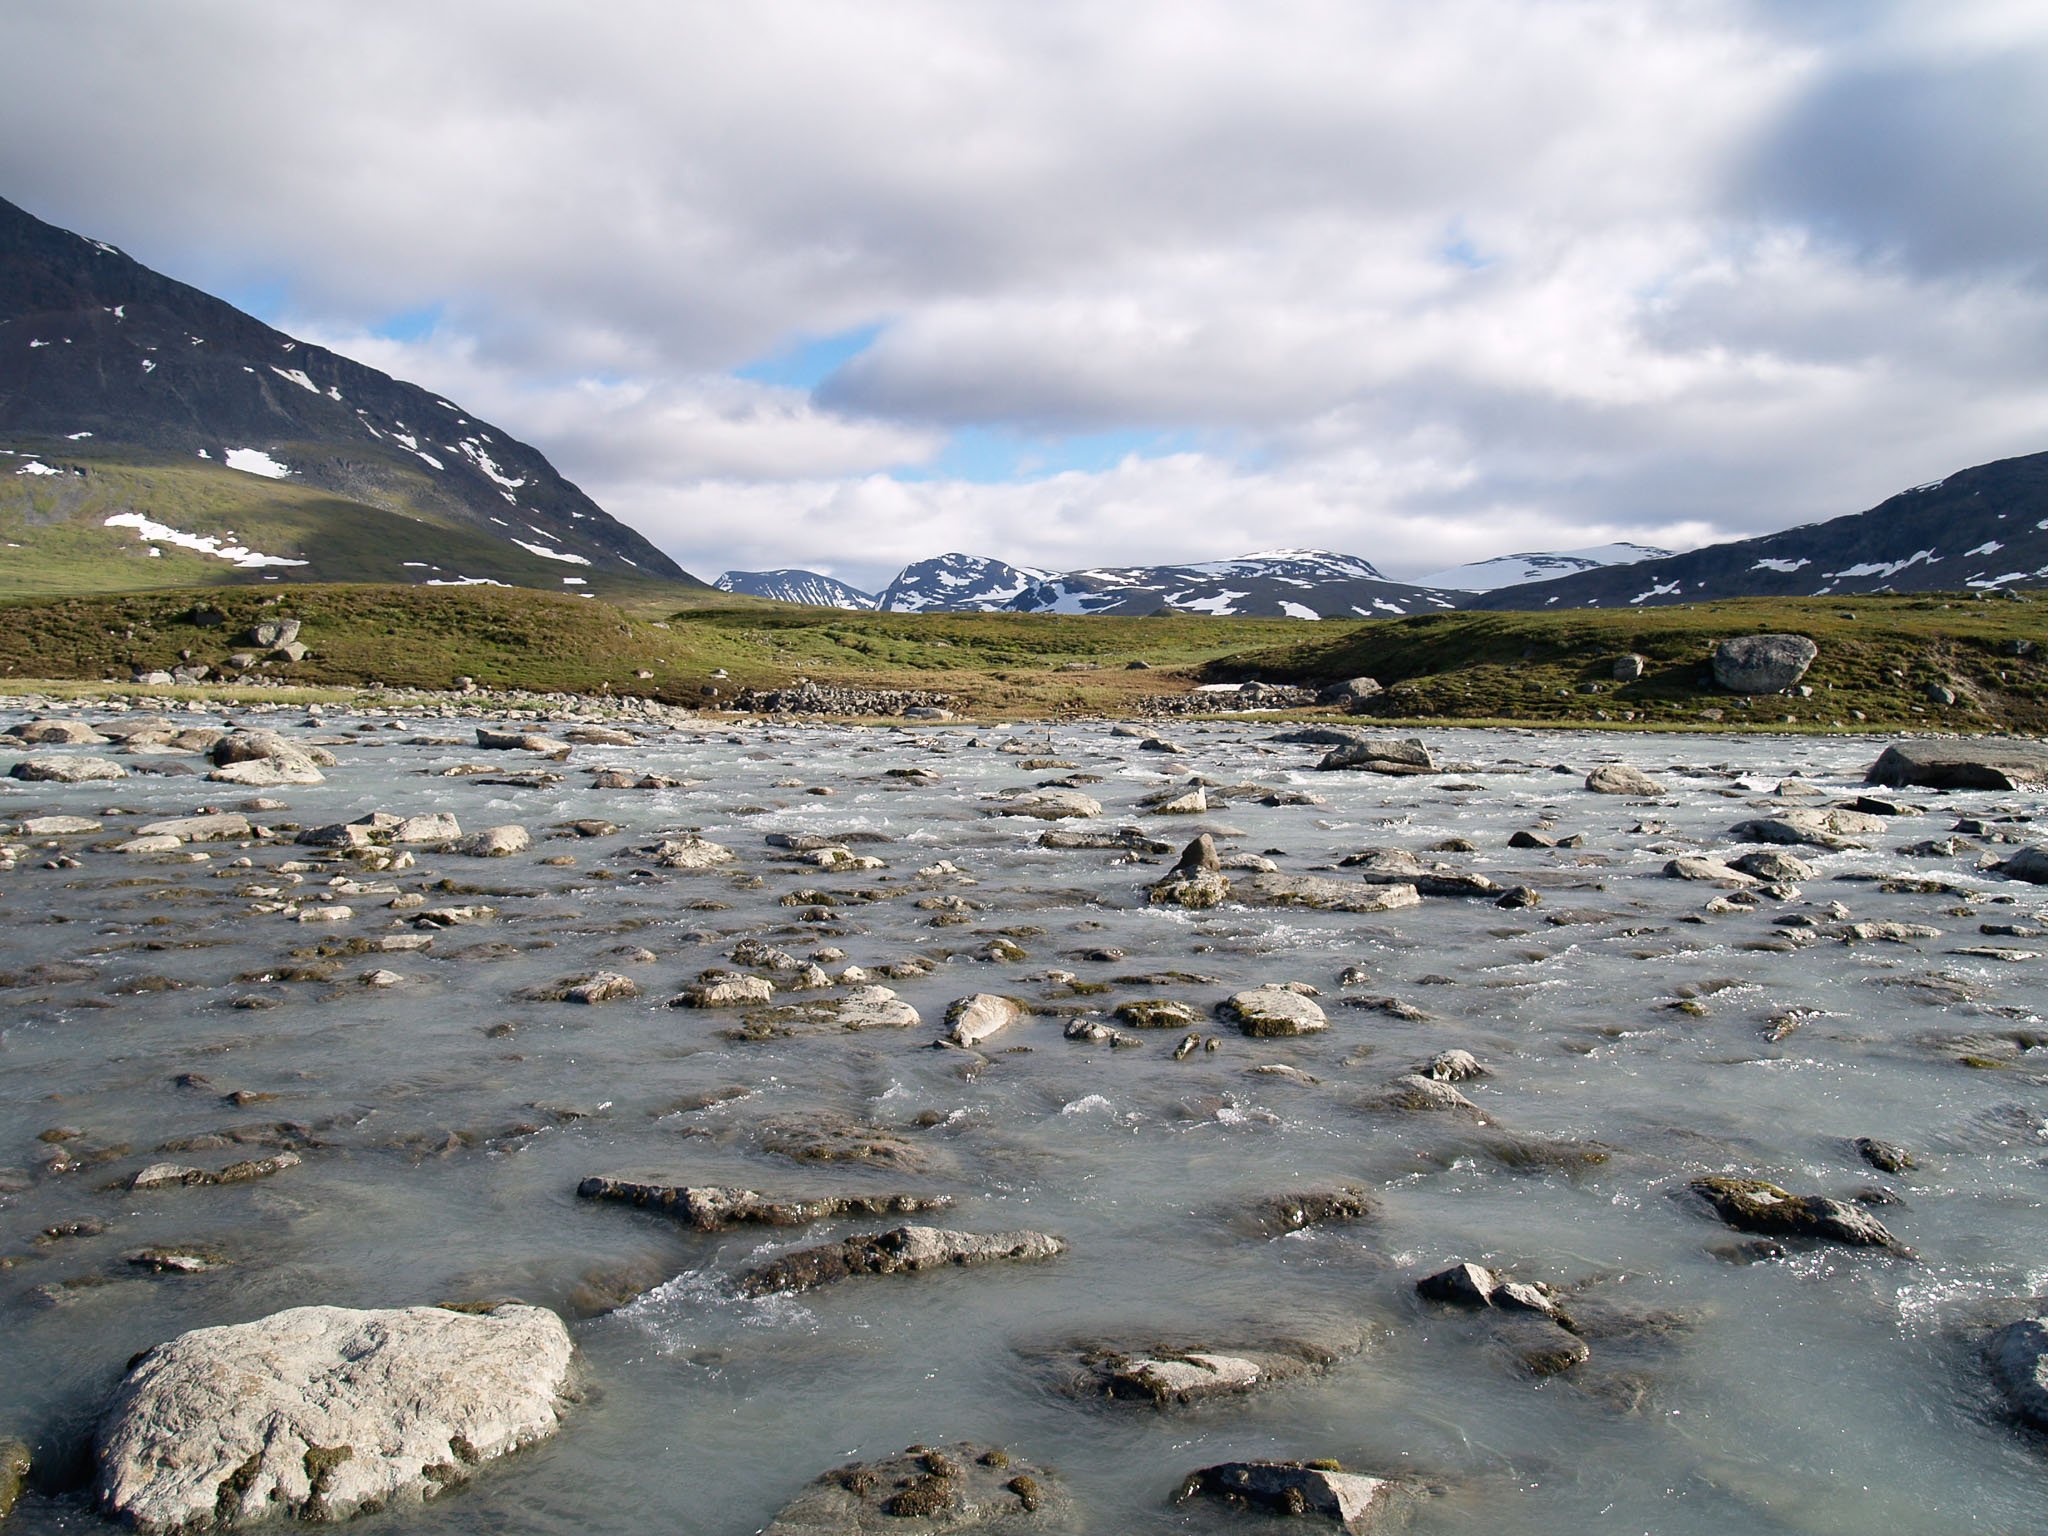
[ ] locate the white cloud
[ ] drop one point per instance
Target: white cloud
(1425, 283)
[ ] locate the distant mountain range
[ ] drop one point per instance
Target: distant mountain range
(1518, 570)
(806, 587)
(143, 420)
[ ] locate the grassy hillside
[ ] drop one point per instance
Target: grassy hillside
(1878, 655)
(54, 538)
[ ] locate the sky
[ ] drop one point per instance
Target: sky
(844, 286)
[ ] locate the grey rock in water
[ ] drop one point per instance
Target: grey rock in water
(1690, 866)
(714, 1208)
(1620, 779)
(1886, 1156)
(1351, 1500)
(2028, 864)
(1773, 865)
(222, 826)
(494, 842)
(67, 733)
(1050, 804)
(1397, 866)
(1299, 1209)
(66, 770)
(899, 1251)
(1961, 765)
(2018, 1356)
(517, 741)
(1755, 1205)
(1269, 1012)
(1763, 663)
(1380, 754)
(971, 1020)
(15, 1464)
(1328, 895)
(963, 1488)
(320, 1412)
(1831, 829)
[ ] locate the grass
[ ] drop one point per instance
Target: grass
(1878, 655)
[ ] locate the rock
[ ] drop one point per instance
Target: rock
(1886, 1156)
(1050, 804)
(67, 770)
(1352, 691)
(268, 773)
(1753, 1205)
(1197, 889)
(14, 1469)
(321, 1412)
(600, 736)
(974, 1019)
(433, 827)
(1396, 866)
(1628, 668)
(1270, 1012)
(2029, 864)
(711, 1208)
(963, 1488)
(1298, 1210)
(1688, 866)
(902, 1250)
(172, 1175)
(1126, 839)
(224, 826)
(602, 988)
(517, 741)
(66, 733)
(1527, 839)
(729, 992)
(340, 834)
(1519, 896)
(1832, 829)
(1157, 1013)
(1769, 864)
(1349, 1499)
(1763, 663)
(1961, 765)
(690, 852)
(57, 826)
(1328, 895)
(1380, 754)
(1413, 1091)
(2018, 1357)
(273, 633)
(1193, 803)
(1620, 779)
(495, 842)
(1453, 1067)
(1463, 1284)
(252, 746)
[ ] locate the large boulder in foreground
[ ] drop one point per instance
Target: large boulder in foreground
(1960, 765)
(960, 1488)
(322, 1412)
(2018, 1356)
(1763, 663)
(1380, 754)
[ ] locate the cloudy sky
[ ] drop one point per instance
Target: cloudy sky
(845, 285)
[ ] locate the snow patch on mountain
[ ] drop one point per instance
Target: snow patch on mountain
(254, 461)
(1515, 570)
(796, 586)
(199, 543)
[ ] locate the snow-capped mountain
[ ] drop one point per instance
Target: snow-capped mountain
(343, 472)
(1981, 528)
(796, 587)
(959, 584)
(1279, 583)
(1514, 570)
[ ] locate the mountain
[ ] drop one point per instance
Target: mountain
(1981, 528)
(796, 587)
(959, 584)
(1297, 583)
(139, 397)
(1513, 570)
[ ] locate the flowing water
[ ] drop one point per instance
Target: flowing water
(445, 1120)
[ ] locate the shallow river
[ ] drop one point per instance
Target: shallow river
(445, 1120)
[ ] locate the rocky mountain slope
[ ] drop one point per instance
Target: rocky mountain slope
(1285, 583)
(1982, 528)
(108, 366)
(792, 586)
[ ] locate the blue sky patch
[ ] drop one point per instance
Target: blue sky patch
(995, 455)
(808, 361)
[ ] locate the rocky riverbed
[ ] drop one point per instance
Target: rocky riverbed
(1087, 1127)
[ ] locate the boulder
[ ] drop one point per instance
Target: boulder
(1328, 895)
(1352, 691)
(517, 741)
(1832, 829)
(601, 988)
(57, 826)
(1691, 866)
(495, 842)
(1123, 840)
(1413, 1091)
(1348, 1499)
(432, 827)
(321, 1412)
(1396, 866)
(1961, 765)
(711, 1208)
(1050, 804)
(273, 633)
(1763, 663)
(972, 1020)
(1193, 803)
(2018, 1357)
(269, 772)
(222, 826)
(1770, 864)
(899, 1251)
(727, 992)
(689, 852)
(1196, 881)
(1753, 1205)
(15, 1463)
(63, 733)
(339, 834)
(1269, 1012)
(67, 770)
(1620, 779)
(924, 1492)
(1380, 754)
(1628, 668)
(2028, 864)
